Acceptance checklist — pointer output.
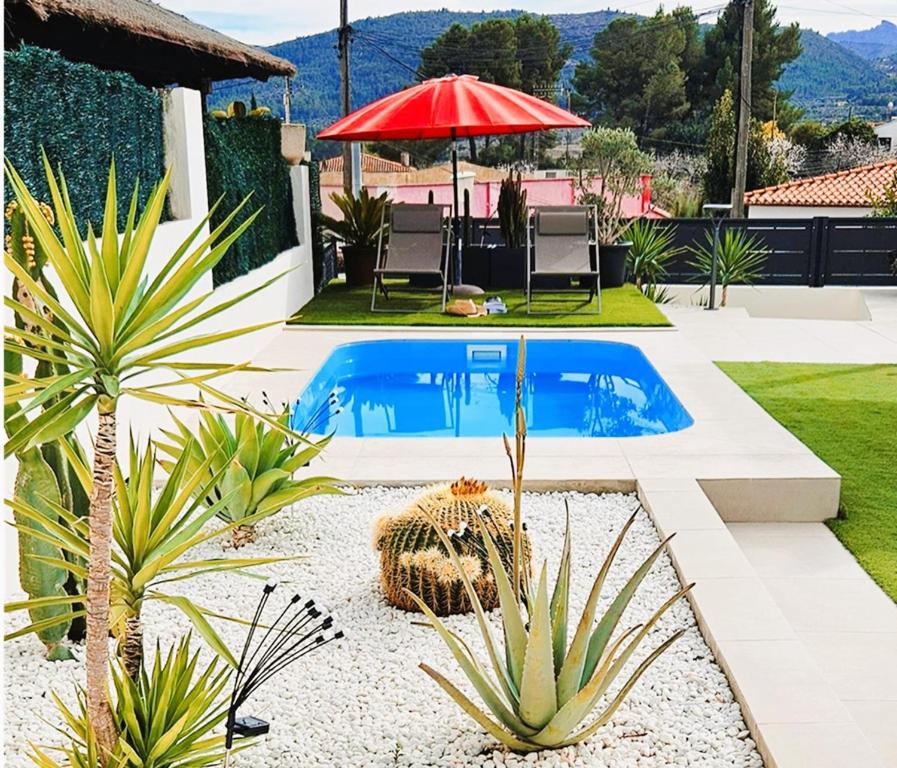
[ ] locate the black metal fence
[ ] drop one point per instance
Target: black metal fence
(815, 252)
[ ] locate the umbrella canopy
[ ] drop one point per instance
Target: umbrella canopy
(455, 106)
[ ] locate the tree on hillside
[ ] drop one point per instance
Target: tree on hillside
(525, 53)
(635, 77)
(540, 52)
(774, 47)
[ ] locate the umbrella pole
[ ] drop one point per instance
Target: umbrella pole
(456, 229)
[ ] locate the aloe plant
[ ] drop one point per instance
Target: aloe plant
(166, 718)
(251, 465)
(741, 258)
(542, 691)
(154, 532)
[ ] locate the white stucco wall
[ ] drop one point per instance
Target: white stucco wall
(805, 211)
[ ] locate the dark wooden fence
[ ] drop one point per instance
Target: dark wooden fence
(815, 252)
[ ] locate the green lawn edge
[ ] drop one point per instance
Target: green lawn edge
(621, 307)
(847, 415)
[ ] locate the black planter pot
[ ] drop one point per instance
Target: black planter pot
(612, 260)
(476, 265)
(507, 267)
(360, 262)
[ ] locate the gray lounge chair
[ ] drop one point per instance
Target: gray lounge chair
(418, 245)
(559, 244)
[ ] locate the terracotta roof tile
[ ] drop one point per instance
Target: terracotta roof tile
(369, 164)
(850, 188)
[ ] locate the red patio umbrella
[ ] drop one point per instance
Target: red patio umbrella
(451, 107)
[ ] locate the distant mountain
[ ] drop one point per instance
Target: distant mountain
(385, 53)
(876, 43)
(827, 79)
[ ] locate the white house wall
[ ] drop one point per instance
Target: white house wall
(805, 211)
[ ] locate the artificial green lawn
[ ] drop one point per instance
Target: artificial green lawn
(847, 414)
(339, 305)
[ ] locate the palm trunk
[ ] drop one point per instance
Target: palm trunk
(132, 646)
(725, 295)
(242, 535)
(99, 575)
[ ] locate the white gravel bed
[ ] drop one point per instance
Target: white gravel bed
(364, 702)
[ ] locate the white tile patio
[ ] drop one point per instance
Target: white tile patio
(847, 625)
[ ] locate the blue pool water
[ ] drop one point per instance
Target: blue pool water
(465, 388)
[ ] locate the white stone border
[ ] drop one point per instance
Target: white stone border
(793, 714)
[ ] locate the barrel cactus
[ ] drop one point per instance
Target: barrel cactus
(413, 558)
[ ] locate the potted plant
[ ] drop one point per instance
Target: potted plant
(611, 167)
(359, 230)
(507, 264)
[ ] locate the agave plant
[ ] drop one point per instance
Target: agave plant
(154, 531)
(542, 691)
(249, 467)
(120, 322)
(165, 718)
(741, 258)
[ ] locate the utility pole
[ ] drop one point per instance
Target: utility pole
(744, 108)
(344, 30)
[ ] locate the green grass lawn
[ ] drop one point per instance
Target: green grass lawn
(847, 414)
(339, 305)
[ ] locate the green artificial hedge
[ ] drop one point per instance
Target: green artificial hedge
(242, 157)
(323, 259)
(82, 116)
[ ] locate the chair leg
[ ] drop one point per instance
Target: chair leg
(374, 294)
(444, 289)
(598, 292)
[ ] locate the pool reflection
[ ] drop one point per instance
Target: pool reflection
(450, 403)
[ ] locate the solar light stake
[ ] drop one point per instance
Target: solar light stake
(717, 212)
(295, 633)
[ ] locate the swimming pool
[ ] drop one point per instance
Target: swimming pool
(465, 388)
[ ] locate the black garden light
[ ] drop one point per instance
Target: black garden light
(717, 212)
(296, 632)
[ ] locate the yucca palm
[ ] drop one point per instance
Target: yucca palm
(153, 532)
(651, 250)
(123, 322)
(740, 260)
(166, 718)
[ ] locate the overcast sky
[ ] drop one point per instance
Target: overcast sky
(273, 21)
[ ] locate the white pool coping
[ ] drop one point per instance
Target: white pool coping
(751, 467)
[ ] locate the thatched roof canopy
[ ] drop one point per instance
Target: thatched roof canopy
(156, 45)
